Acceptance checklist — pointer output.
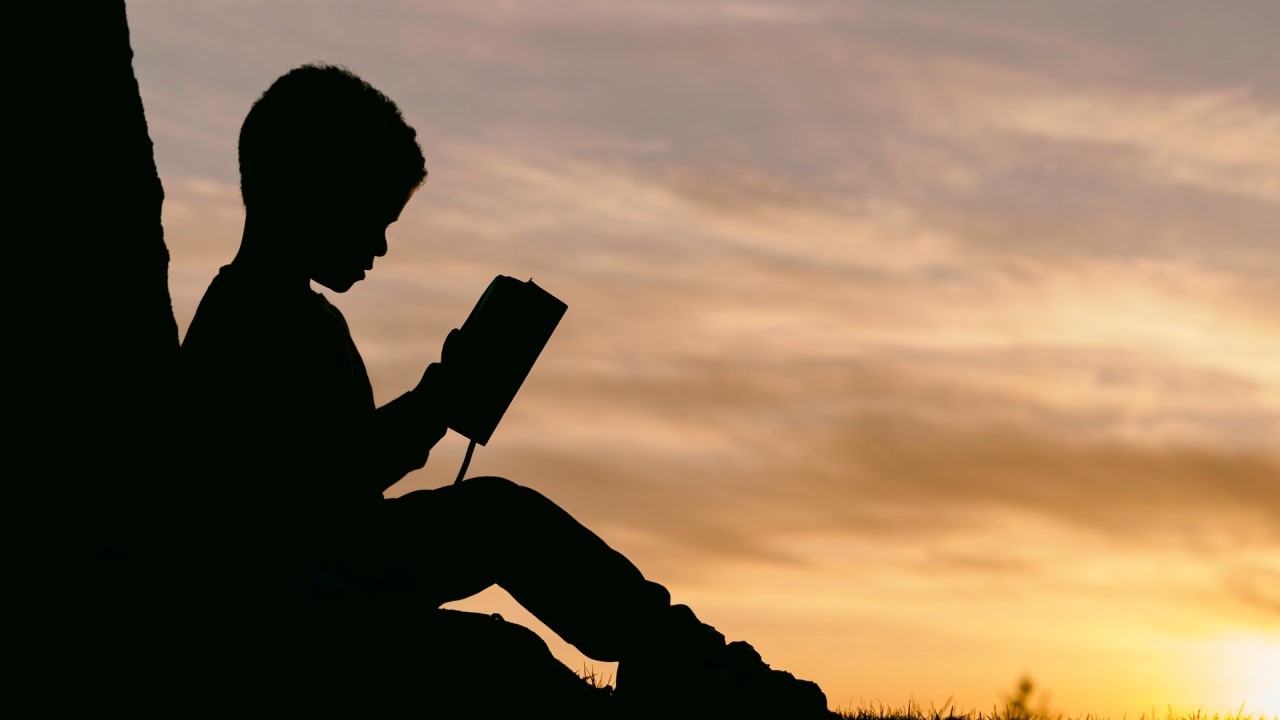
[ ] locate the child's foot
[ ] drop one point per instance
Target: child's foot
(692, 673)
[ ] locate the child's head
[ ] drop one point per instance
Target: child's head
(327, 161)
(319, 130)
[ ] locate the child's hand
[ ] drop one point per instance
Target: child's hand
(435, 391)
(441, 385)
(455, 353)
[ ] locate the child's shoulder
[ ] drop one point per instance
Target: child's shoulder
(238, 307)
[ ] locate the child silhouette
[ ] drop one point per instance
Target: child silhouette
(293, 456)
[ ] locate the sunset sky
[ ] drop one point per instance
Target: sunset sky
(923, 345)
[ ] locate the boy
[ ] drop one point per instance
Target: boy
(294, 456)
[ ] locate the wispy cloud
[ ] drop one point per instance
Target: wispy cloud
(1217, 142)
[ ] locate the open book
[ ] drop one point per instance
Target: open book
(506, 331)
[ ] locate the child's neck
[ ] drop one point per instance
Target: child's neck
(268, 253)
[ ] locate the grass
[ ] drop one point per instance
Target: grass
(1017, 706)
(950, 713)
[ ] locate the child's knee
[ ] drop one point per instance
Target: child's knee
(488, 484)
(498, 495)
(490, 491)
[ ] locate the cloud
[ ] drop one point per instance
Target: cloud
(688, 307)
(1217, 141)
(1255, 583)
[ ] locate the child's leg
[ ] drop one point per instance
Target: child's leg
(463, 538)
(460, 539)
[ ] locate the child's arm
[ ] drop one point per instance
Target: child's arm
(405, 429)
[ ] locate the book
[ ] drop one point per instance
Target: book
(502, 339)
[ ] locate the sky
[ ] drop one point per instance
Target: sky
(925, 346)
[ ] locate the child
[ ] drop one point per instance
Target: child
(294, 455)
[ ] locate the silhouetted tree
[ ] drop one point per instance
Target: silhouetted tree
(96, 339)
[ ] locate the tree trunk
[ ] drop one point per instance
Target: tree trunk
(96, 340)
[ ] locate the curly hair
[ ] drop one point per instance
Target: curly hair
(321, 127)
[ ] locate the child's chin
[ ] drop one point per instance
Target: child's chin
(340, 285)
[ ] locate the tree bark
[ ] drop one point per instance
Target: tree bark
(94, 342)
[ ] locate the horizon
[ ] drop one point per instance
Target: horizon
(924, 347)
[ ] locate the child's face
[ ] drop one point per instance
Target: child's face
(346, 236)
